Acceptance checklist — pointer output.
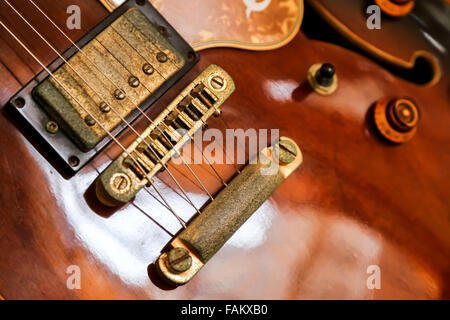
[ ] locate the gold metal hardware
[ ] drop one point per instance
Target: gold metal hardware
(320, 89)
(148, 69)
(220, 219)
(133, 52)
(104, 107)
(189, 111)
(52, 127)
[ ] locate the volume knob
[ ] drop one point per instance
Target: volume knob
(396, 8)
(396, 118)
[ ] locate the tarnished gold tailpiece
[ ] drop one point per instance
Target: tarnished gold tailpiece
(220, 219)
(121, 181)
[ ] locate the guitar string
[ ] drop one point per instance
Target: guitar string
(98, 68)
(165, 183)
(239, 145)
(209, 162)
(89, 113)
(112, 108)
(151, 121)
(151, 194)
(215, 108)
(117, 87)
(143, 211)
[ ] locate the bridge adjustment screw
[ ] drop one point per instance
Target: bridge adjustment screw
(52, 127)
(161, 57)
(179, 260)
(120, 183)
(287, 151)
(217, 83)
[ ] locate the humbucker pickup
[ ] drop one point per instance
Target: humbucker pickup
(136, 60)
(108, 78)
(175, 126)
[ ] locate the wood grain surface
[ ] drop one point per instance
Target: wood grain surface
(355, 202)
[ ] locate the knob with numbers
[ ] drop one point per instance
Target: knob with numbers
(396, 118)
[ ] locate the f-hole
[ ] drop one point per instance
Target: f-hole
(425, 71)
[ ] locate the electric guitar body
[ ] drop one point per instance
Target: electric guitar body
(358, 204)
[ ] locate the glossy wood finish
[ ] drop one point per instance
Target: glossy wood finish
(356, 201)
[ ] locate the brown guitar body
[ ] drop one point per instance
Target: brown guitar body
(356, 201)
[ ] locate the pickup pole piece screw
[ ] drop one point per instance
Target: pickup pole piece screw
(179, 260)
(148, 69)
(119, 95)
(104, 107)
(162, 57)
(133, 82)
(89, 121)
(52, 127)
(287, 151)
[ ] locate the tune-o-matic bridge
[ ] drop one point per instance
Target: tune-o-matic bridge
(107, 79)
(146, 156)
